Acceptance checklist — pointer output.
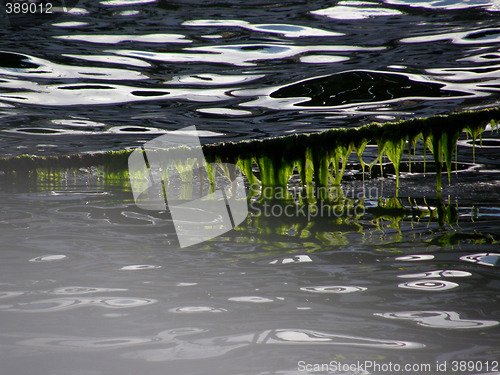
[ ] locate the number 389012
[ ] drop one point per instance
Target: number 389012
(28, 8)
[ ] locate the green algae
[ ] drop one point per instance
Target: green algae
(319, 158)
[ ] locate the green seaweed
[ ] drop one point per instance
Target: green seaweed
(394, 151)
(320, 158)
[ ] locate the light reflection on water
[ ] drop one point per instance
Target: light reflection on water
(159, 75)
(440, 319)
(239, 294)
(85, 271)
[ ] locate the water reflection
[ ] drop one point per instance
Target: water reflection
(70, 290)
(70, 24)
(356, 10)
(482, 36)
(140, 267)
(415, 257)
(26, 66)
(251, 299)
(48, 258)
(356, 87)
(10, 294)
(484, 259)
(115, 39)
(289, 31)
(208, 79)
(322, 59)
(429, 285)
(182, 347)
(246, 59)
(125, 2)
(439, 319)
(437, 273)
(111, 59)
(295, 259)
(63, 304)
(489, 5)
(84, 343)
(240, 54)
(335, 289)
(197, 309)
(86, 94)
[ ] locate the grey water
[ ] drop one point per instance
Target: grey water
(91, 284)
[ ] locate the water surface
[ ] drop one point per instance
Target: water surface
(91, 284)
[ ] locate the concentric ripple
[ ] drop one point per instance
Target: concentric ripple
(335, 289)
(439, 319)
(63, 304)
(429, 285)
(197, 309)
(436, 273)
(484, 259)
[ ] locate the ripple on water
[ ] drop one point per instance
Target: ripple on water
(140, 267)
(48, 258)
(439, 319)
(356, 10)
(78, 123)
(436, 273)
(70, 24)
(185, 344)
(429, 285)
(224, 111)
(197, 309)
(336, 289)
(11, 294)
(484, 259)
(125, 2)
(62, 304)
(111, 59)
(208, 79)
(488, 5)
(302, 336)
(294, 259)
(289, 31)
(115, 39)
(481, 36)
(86, 343)
(69, 290)
(31, 67)
(91, 94)
(415, 258)
(186, 284)
(322, 59)
(239, 54)
(252, 299)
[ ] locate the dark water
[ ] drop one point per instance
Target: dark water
(107, 74)
(90, 284)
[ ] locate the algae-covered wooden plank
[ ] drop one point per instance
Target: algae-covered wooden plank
(323, 154)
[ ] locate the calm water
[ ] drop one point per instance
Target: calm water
(90, 284)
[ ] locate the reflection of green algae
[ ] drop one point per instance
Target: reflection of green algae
(474, 238)
(377, 224)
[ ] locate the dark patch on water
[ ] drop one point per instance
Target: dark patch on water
(360, 87)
